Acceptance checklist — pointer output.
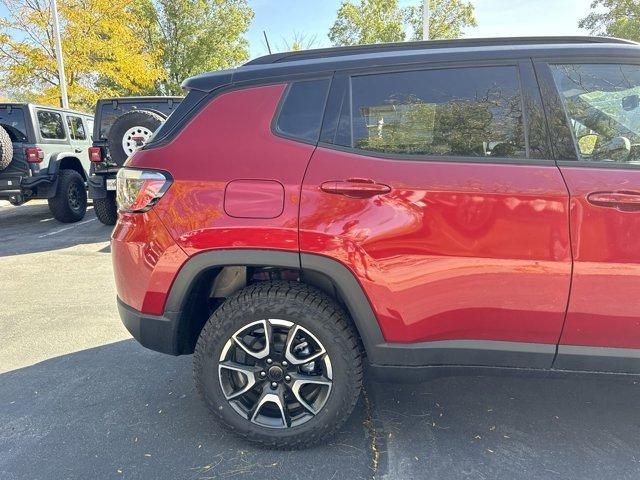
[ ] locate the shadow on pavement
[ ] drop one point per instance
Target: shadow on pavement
(121, 411)
(543, 426)
(31, 228)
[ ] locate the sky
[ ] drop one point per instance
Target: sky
(281, 19)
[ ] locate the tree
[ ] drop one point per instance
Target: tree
(447, 18)
(102, 45)
(197, 36)
(380, 21)
(619, 18)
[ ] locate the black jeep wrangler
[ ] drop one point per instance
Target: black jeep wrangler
(122, 125)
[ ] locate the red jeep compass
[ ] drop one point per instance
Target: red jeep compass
(439, 204)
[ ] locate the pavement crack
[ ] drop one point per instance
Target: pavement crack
(372, 433)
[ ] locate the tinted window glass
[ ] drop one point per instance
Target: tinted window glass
(603, 106)
(472, 112)
(109, 114)
(76, 128)
(12, 120)
(51, 125)
(301, 112)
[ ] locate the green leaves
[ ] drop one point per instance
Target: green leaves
(197, 36)
(615, 18)
(381, 21)
(119, 47)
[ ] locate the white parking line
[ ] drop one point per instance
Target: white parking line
(55, 232)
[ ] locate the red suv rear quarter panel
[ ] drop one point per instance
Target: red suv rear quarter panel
(229, 139)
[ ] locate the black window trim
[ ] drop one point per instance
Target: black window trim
(275, 130)
(39, 130)
(516, 62)
(555, 107)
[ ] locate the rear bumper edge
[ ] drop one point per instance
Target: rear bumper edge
(155, 332)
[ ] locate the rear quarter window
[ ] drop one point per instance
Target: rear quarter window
(300, 115)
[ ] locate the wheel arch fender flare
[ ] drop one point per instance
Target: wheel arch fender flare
(66, 160)
(347, 286)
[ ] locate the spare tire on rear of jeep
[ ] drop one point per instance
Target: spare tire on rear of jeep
(6, 149)
(131, 131)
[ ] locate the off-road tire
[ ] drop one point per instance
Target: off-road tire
(307, 307)
(6, 149)
(139, 118)
(70, 202)
(106, 209)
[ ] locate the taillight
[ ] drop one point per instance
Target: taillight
(34, 154)
(94, 154)
(139, 190)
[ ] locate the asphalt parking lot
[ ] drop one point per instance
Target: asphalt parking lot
(80, 399)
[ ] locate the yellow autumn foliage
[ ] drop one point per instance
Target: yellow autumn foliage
(104, 49)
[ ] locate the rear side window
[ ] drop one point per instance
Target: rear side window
(110, 113)
(12, 120)
(469, 112)
(51, 125)
(301, 112)
(76, 128)
(602, 102)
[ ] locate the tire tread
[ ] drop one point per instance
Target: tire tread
(331, 314)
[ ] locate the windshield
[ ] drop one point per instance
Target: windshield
(12, 120)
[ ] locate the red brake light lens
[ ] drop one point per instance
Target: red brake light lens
(139, 190)
(94, 154)
(34, 154)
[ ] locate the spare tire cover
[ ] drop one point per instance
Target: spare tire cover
(6, 149)
(130, 131)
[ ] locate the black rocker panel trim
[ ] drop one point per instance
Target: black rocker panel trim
(467, 352)
(598, 359)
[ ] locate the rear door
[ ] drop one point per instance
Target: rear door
(595, 106)
(80, 139)
(439, 194)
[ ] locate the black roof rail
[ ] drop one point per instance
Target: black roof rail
(428, 44)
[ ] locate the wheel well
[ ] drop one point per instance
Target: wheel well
(72, 163)
(205, 294)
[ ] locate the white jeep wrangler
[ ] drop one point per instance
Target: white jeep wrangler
(44, 154)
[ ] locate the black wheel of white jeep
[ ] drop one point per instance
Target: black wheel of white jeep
(106, 208)
(70, 202)
(279, 363)
(6, 149)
